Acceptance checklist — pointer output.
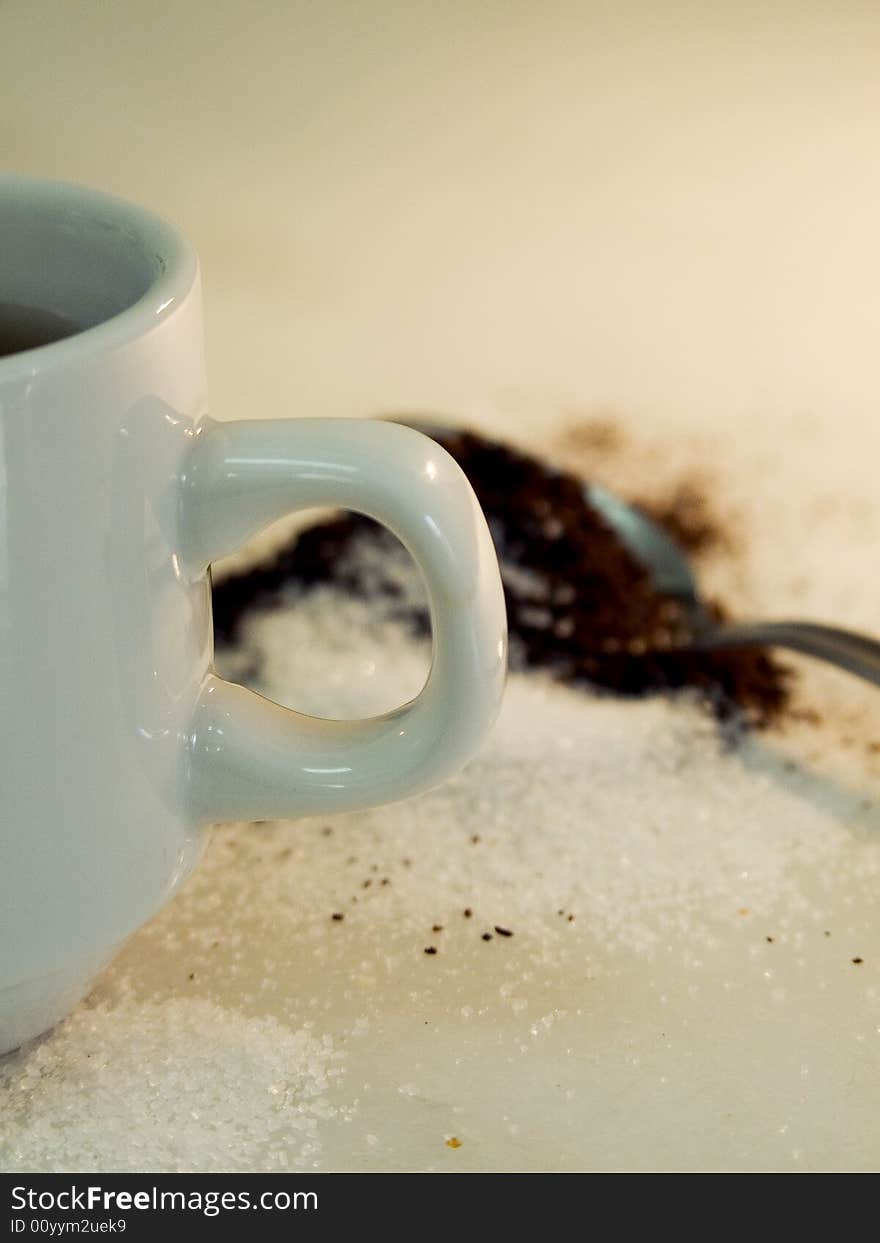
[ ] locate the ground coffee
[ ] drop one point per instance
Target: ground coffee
(578, 603)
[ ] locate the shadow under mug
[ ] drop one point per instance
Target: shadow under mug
(118, 742)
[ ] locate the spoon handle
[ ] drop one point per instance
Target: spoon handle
(854, 652)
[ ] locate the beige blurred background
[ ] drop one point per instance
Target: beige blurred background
(509, 210)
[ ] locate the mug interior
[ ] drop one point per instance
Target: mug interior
(86, 257)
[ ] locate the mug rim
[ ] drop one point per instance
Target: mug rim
(177, 262)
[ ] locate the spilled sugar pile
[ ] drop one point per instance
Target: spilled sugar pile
(137, 1087)
(636, 819)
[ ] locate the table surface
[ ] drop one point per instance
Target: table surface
(525, 216)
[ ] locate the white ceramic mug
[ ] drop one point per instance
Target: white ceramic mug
(118, 743)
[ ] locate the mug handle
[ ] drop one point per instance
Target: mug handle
(249, 758)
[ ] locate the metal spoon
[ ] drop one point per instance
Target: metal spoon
(672, 575)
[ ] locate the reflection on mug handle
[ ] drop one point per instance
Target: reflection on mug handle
(253, 760)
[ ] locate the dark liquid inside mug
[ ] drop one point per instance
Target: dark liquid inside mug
(27, 328)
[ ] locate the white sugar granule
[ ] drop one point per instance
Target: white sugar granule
(173, 1085)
